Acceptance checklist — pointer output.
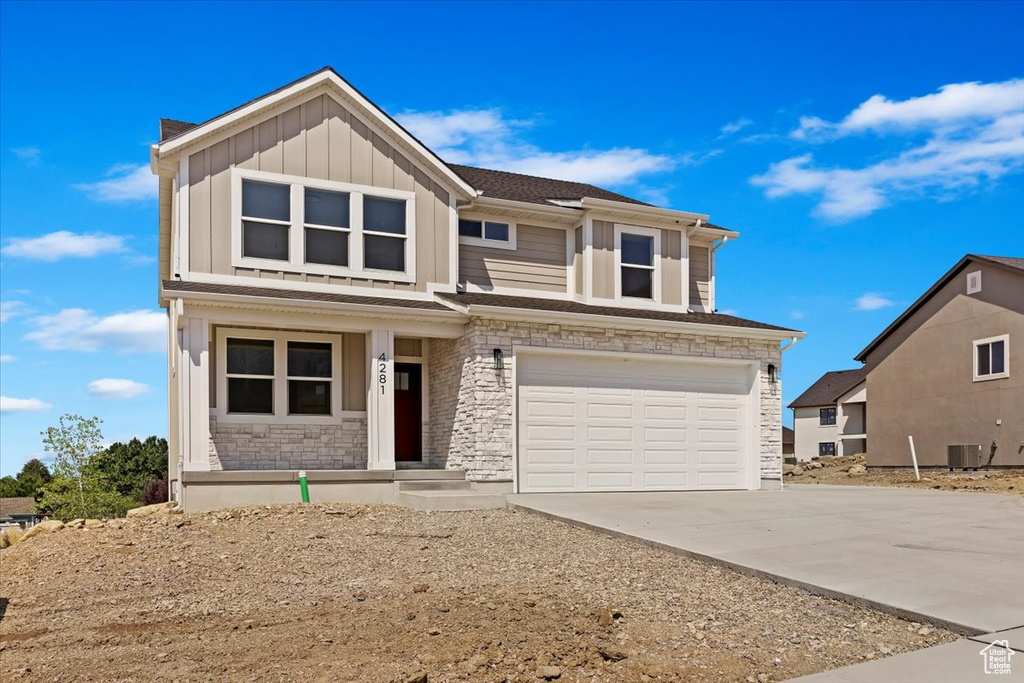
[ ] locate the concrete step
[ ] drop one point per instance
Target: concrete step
(441, 485)
(447, 500)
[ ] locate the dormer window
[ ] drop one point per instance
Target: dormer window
(306, 225)
(637, 252)
(487, 233)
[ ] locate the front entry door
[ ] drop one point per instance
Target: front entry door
(408, 412)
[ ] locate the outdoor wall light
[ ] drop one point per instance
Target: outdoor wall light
(773, 376)
(499, 359)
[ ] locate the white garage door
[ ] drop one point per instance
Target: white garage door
(599, 423)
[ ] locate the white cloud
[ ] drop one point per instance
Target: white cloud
(10, 309)
(116, 388)
(797, 314)
(484, 137)
(22, 405)
(30, 155)
(975, 133)
(63, 244)
(7, 358)
(872, 301)
(76, 329)
(735, 127)
(125, 183)
(728, 311)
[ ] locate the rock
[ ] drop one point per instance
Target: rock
(419, 677)
(420, 588)
(788, 469)
(93, 524)
(797, 470)
(549, 673)
(814, 466)
(433, 631)
(47, 527)
(612, 653)
(857, 470)
(156, 510)
(762, 678)
(924, 631)
(604, 618)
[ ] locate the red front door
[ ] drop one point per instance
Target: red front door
(408, 412)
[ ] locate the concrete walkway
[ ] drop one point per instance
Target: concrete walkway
(952, 559)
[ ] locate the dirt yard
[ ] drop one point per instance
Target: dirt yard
(849, 470)
(381, 593)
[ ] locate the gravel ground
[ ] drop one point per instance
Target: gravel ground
(836, 471)
(381, 593)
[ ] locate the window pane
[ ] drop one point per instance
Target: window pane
(826, 448)
(470, 228)
(637, 282)
(998, 357)
(309, 398)
(265, 200)
(309, 359)
(327, 208)
(983, 358)
(262, 240)
(496, 231)
(384, 215)
(250, 395)
(638, 249)
(384, 253)
(250, 357)
(329, 247)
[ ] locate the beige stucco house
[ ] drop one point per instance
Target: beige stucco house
(830, 417)
(949, 370)
(343, 302)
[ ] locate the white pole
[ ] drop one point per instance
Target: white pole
(913, 455)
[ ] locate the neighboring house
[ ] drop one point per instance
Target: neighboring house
(788, 442)
(342, 301)
(830, 417)
(949, 370)
(19, 511)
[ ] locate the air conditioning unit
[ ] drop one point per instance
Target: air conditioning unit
(963, 456)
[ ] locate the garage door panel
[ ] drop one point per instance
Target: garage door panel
(608, 424)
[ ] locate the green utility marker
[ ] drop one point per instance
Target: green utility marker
(304, 487)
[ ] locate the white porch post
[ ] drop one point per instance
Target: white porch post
(194, 393)
(380, 403)
(840, 428)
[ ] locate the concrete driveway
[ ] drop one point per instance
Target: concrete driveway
(955, 559)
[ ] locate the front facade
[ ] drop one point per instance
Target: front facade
(342, 302)
(950, 371)
(830, 417)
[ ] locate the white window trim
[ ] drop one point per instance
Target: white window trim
(296, 235)
(280, 378)
(1005, 338)
(655, 233)
(483, 241)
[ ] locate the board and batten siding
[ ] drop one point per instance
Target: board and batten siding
(538, 262)
(670, 263)
(577, 258)
(700, 276)
(320, 139)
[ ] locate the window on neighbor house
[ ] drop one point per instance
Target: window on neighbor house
(991, 359)
(827, 448)
(250, 376)
(827, 416)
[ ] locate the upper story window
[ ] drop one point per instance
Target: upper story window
(322, 227)
(991, 358)
(827, 416)
(486, 232)
(637, 253)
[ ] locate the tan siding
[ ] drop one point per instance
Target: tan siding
(578, 259)
(700, 278)
(671, 267)
(538, 262)
(166, 210)
(604, 259)
(318, 139)
(353, 371)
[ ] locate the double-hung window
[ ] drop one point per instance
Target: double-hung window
(484, 232)
(307, 225)
(637, 252)
(991, 358)
(250, 376)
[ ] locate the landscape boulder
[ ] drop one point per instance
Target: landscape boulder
(857, 470)
(155, 510)
(47, 527)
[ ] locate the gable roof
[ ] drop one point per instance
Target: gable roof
(24, 505)
(1011, 263)
(533, 189)
(829, 388)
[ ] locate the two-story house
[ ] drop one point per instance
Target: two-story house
(830, 418)
(343, 302)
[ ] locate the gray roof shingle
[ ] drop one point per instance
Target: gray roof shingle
(24, 505)
(830, 387)
(532, 189)
(296, 295)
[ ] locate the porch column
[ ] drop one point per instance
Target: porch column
(380, 401)
(194, 394)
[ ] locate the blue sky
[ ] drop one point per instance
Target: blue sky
(845, 141)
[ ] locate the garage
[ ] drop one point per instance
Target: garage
(610, 422)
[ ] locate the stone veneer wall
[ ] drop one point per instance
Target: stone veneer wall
(255, 446)
(471, 402)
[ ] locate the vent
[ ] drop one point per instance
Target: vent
(974, 282)
(963, 456)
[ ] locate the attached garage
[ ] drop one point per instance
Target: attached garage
(611, 422)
